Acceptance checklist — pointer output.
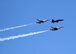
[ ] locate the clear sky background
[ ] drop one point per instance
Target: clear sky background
(19, 12)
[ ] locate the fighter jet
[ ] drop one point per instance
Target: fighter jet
(55, 28)
(53, 21)
(41, 21)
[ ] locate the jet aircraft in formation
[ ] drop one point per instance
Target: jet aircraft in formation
(55, 28)
(41, 21)
(52, 21)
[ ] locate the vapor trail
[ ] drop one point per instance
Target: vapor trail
(23, 35)
(10, 28)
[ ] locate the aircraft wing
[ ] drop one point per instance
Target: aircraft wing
(38, 20)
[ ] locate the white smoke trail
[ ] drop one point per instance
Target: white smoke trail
(5, 29)
(23, 35)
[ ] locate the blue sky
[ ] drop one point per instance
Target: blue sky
(19, 12)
